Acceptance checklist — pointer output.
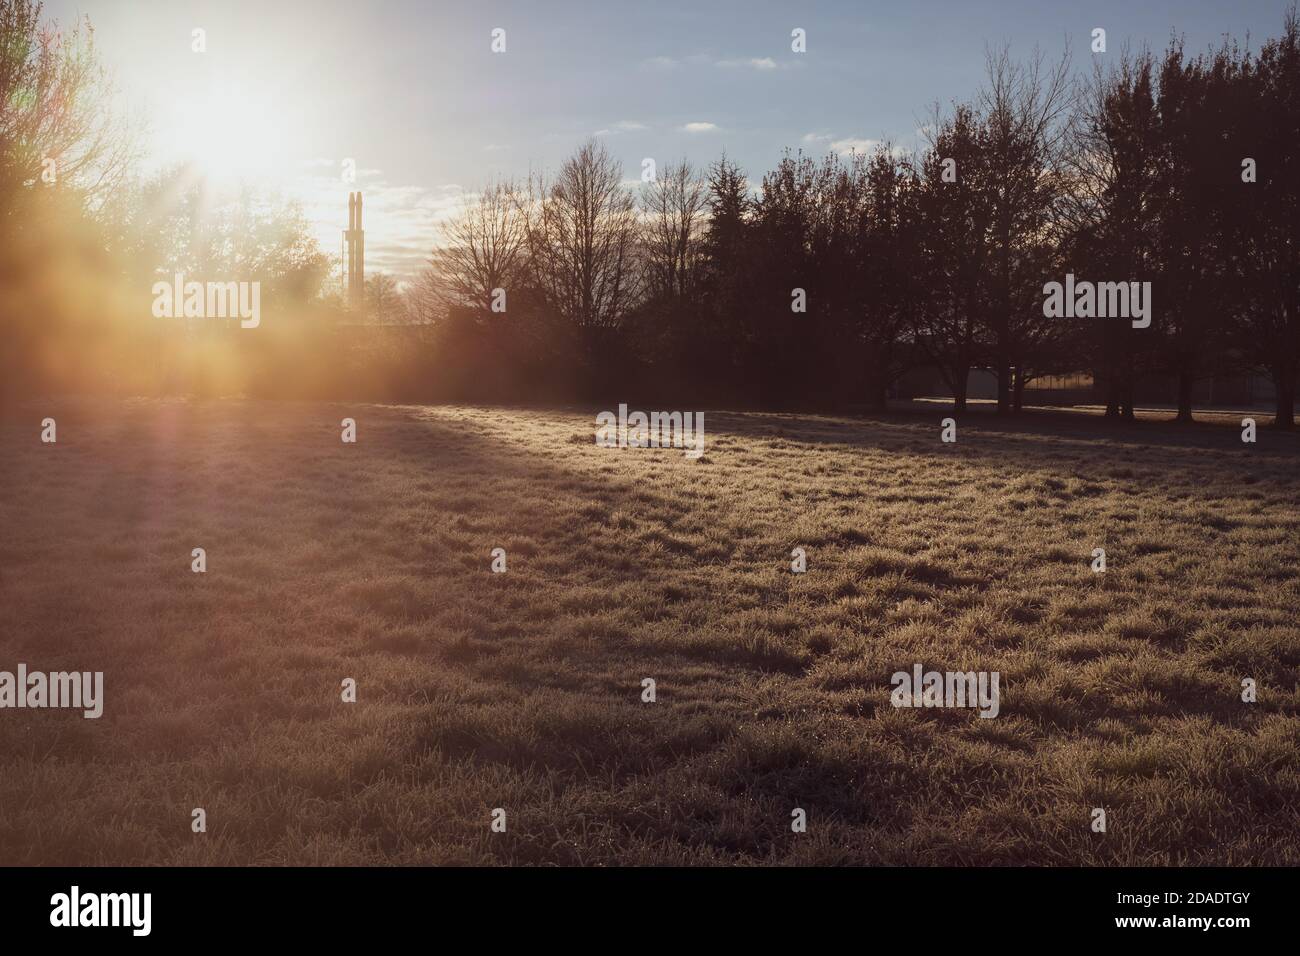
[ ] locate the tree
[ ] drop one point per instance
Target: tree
(887, 265)
(1114, 204)
(1196, 180)
(675, 204)
(1265, 227)
(725, 269)
(384, 304)
(63, 151)
(484, 248)
(1024, 110)
(787, 243)
(55, 107)
(582, 234)
(174, 222)
(422, 299)
(952, 221)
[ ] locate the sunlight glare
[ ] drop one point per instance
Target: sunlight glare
(230, 134)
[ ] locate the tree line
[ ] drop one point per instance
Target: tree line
(824, 284)
(821, 284)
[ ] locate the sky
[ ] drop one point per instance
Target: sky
(411, 92)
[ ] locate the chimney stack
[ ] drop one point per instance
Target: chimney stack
(355, 241)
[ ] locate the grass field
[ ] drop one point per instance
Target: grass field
(523, 690)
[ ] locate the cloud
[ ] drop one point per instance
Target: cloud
(853, 145)
(698, 127)
(843, 146)
(754, 62)
(660, 63)
(622, 126)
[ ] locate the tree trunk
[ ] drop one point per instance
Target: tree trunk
(1126, 412)
(1112, 394)
(1127, 388)
(1004, 388)
(1185, 383)
(1018, 392)
(959, 385)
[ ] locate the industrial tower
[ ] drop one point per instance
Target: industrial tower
(354, 240)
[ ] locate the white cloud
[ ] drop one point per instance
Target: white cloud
(755, 62)
(844, 145)
(699, 127)
(661, 63)
(622, 126)
(854, 145)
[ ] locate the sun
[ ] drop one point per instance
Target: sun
(230, 133)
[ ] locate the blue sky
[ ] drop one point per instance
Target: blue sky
(412, 92)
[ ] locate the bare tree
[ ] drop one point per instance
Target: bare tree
(421, 300)
(1025, 110)
(676, 205)
(483, 249)
(582, 238)
(383, 301)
